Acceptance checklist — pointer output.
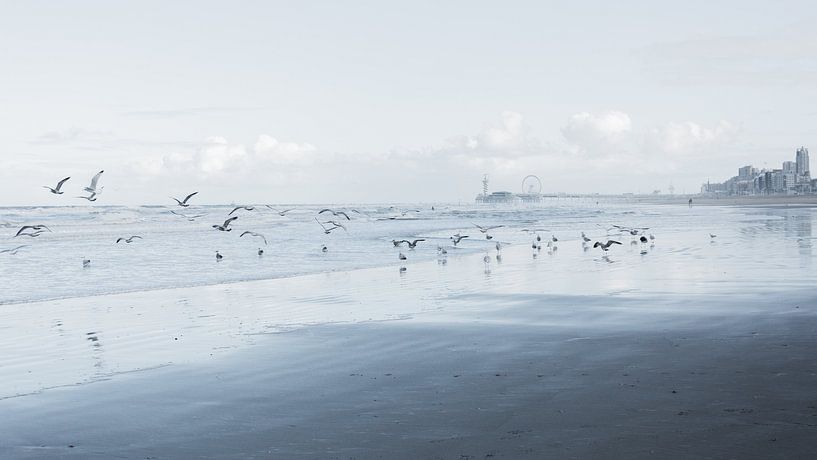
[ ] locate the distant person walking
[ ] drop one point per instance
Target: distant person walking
(690, 202)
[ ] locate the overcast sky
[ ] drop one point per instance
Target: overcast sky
(396, 101)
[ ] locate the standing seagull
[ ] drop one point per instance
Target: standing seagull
(128, 240)
(92, 188)
(223, 227)
(258, 235)
(218, 257)
(183, 203)
(585, 239)
(56, 190)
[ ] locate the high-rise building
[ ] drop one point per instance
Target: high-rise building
(746, 172)
(789, 167)
(802, 161)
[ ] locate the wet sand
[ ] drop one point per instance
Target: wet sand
(743, 201)
(446, 361)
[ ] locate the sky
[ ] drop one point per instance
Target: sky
(369, 101)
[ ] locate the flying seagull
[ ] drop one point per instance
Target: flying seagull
(13, 251)
(328, 230)
(605, 246)
(39, 227)
(92, 196)
(397, 243)
(486, 229)
(86, 263)
(56, 190)
(183, 203)
(92, 188)
(223, 227)
(335, 213)
(413, 244)
(190, 218)
(457, 238)
(247, 208)
(336, 225)
(281, 213)
(128, 240)
(254, 234)
(32, 234)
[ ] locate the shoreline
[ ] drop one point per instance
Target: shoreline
(680, 352)
(470, 372)
(801, 201)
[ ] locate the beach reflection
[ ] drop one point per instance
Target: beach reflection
(755, 252)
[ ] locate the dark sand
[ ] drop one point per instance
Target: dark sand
(503, 376)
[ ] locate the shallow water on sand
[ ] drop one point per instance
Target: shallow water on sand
(760, 257)
(770, 244)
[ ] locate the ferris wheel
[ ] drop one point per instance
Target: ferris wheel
(531, 185)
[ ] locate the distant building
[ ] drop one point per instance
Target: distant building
(802, 161)
(794, 178)
(747, 173)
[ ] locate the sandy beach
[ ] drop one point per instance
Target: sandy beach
(448, 360)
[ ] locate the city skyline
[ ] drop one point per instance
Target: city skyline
(793, 178)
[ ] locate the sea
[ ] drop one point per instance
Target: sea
(772, 245)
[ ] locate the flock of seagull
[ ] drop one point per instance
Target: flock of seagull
(331, 220)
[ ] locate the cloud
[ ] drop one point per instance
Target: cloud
(269, 149)
(688, 138)
(598, 134)
(216, 156)
(508, 139)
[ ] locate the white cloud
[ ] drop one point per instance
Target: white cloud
(598, 134)
(688, 137)
(286, 153)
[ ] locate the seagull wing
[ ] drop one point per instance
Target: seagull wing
(59, 184)
(609, 242)
(95, 180)
(189, 196)
(228, 221)
(343, 214)
(245, 233)
(326, 210)
(23, 228)
(119, 239)
(234, 210)
(319, 223)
